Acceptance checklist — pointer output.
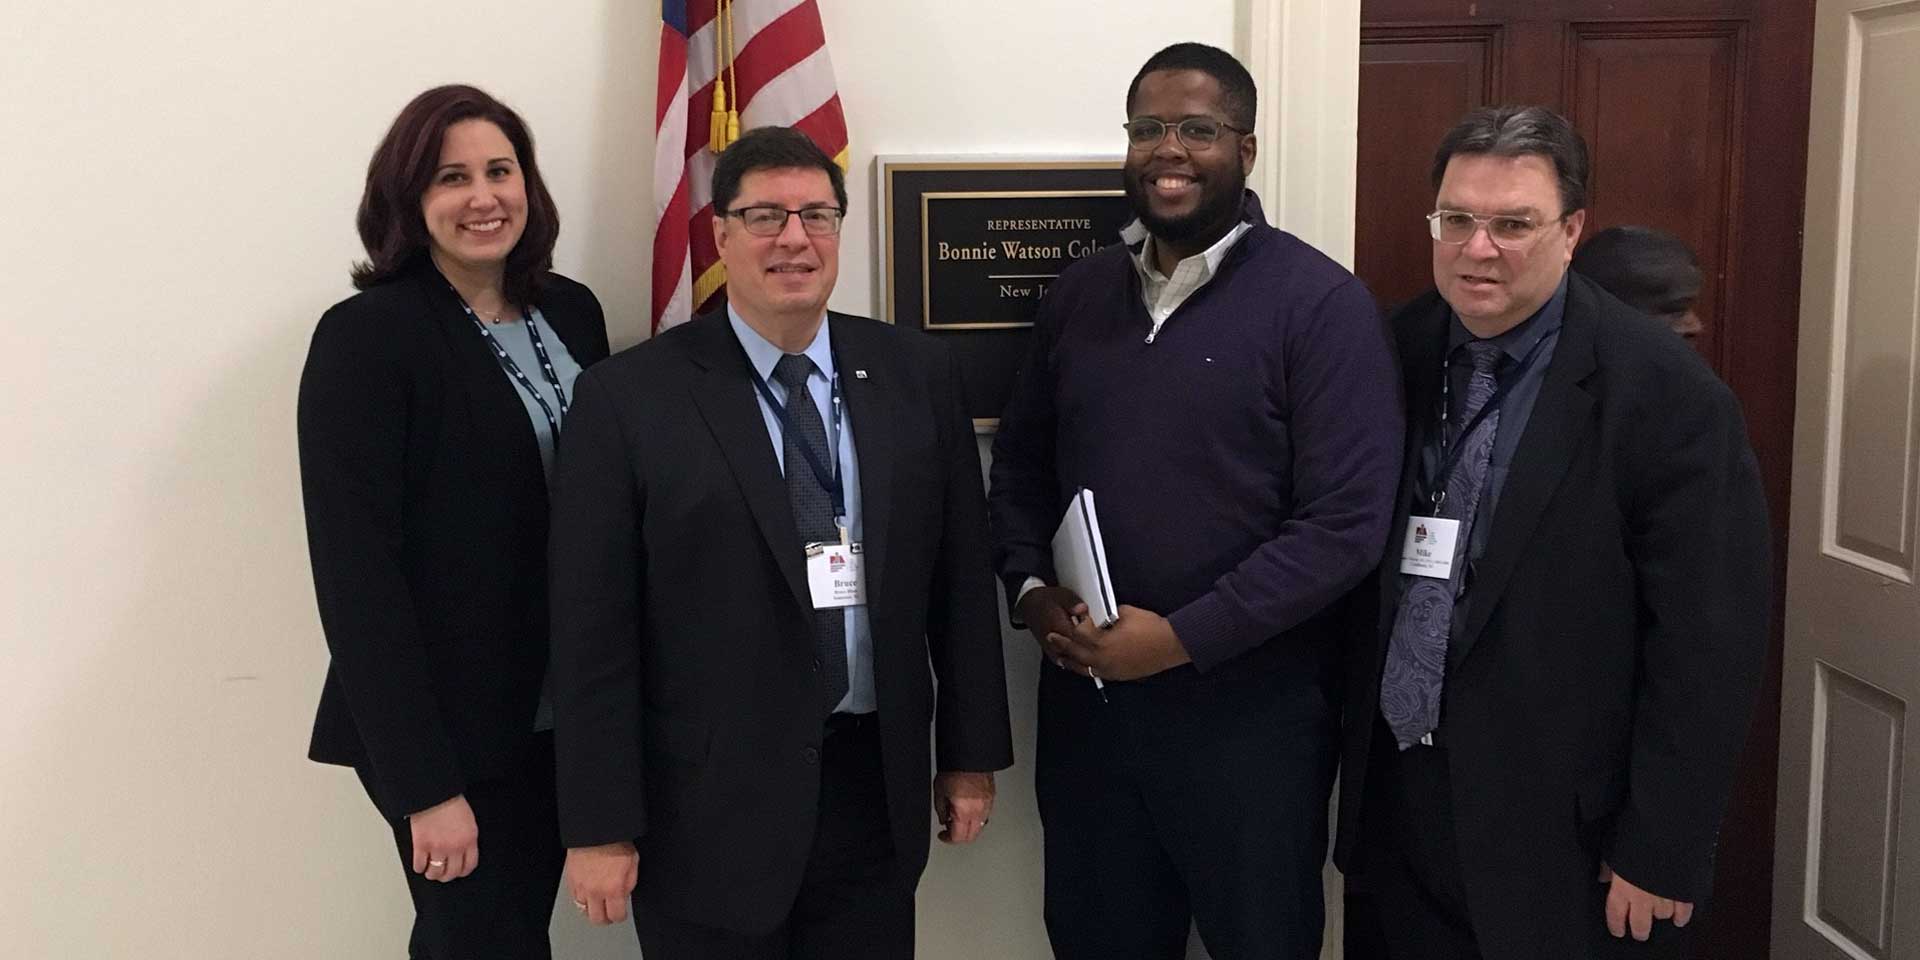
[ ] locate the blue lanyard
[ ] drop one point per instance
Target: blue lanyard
(513, 369)
(829, 480)
(1450, 458)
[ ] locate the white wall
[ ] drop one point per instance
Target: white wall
(178, 183)
(178, 186)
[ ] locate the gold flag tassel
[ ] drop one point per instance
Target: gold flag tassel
(733, 80)
(723, 126)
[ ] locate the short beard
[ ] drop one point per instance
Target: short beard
(1214, 211)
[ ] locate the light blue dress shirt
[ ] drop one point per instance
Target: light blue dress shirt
(763, 355)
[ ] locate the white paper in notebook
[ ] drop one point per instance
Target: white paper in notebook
(1080, 559)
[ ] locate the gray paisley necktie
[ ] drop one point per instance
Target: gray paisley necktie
(1417, 650)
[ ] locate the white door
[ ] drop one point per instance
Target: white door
(1848, 818)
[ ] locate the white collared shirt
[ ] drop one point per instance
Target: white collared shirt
(1164, 294)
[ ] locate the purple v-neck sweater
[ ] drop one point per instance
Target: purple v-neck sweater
(1243, 463)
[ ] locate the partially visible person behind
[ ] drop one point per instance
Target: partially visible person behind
(429, 410)
(1652, 270)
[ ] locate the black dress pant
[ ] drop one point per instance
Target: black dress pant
(1185, 798)
(503, 908)
(1409, 901)
(853, 904)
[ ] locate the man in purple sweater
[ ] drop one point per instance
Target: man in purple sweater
(1230, 397)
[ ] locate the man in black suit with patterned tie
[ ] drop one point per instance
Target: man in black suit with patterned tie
(1547, 701)
(770, 573)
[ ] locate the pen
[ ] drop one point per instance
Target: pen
(1098, 684)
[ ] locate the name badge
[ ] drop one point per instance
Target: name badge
(836, 575)
(1428, 550)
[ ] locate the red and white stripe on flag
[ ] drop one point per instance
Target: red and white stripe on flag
(781, 76)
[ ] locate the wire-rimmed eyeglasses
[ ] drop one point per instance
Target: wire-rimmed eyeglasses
(1508, 232)
(1195, 133)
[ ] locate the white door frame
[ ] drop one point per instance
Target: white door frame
(1305, 58)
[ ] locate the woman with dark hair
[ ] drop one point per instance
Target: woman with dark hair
(429, 411)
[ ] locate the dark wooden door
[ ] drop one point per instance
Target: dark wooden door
(1696, 115)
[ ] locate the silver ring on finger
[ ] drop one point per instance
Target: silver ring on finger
(436, 863)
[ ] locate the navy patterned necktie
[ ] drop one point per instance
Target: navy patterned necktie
(813, 513)
(1417, 650)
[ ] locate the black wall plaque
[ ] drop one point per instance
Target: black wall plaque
(969, 246)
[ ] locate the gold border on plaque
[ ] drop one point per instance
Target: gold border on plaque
(981, 426)
(886, 211)
(926, 263)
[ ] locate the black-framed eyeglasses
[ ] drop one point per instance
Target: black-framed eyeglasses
(1195, 133)
(766, 220)
(1506, 231)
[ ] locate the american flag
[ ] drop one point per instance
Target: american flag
(765, 60)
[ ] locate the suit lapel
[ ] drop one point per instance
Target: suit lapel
(1422, 344)
(1555, 431)
(870, 415)
(575, 333)
(493, 396)
(723, 393)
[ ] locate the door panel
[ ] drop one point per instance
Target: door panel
(1874, 499)
(1853, 613)
(1430, 77)
(1859, 733)
(1675, 167)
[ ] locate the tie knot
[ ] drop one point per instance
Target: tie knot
(1483, 354)
(792, 371)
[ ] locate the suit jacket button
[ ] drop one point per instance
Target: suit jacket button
(811, 755)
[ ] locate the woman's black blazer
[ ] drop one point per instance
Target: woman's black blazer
(426, 513)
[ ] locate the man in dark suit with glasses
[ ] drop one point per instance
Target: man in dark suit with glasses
(1547, 698)
(770, 574)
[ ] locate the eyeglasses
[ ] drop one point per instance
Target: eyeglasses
(771, 221)
(1196, 133)
(1506, 232)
